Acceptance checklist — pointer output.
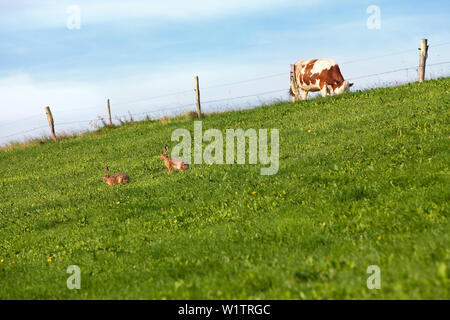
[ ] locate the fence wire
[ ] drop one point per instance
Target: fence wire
(166, 108)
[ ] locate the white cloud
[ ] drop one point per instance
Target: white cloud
(22, 97)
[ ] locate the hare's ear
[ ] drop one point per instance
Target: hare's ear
(165, 149)
(107, 170)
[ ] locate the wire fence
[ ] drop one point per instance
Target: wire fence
(170, 107)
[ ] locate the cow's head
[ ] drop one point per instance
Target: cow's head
(343, 87)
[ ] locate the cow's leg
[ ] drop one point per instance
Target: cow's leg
(324, 90)
(304, 94)
(295, 95)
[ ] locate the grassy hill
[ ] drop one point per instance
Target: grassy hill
(363, 180)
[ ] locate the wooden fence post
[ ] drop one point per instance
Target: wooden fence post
(294, 87)
(109, 112)
(423, 55)
(51, 124)
(197, 94)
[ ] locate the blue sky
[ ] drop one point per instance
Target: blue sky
(135, 50)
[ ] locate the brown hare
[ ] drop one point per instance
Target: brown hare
(115, 178)
(176, 163)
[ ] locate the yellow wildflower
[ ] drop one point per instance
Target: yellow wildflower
(49, 259)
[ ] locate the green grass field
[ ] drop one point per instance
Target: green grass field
(363, 180)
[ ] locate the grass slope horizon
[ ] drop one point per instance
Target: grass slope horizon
(363, 180)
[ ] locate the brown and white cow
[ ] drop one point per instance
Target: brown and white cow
(321, 75)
